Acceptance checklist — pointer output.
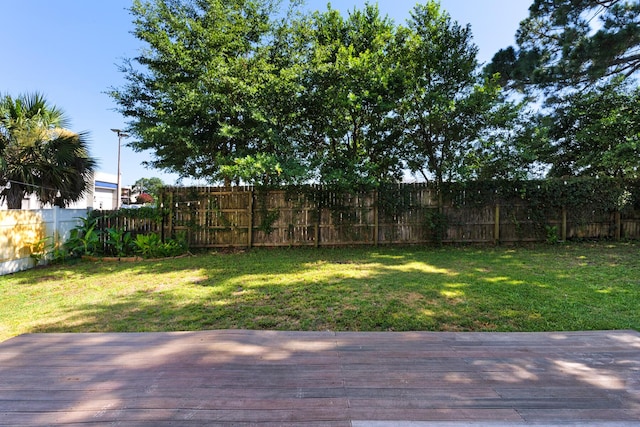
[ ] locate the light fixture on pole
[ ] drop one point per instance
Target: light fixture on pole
(121, 134)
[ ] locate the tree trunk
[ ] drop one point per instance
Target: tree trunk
(14, 196)
(439, 185)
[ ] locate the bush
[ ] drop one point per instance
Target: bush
(89, 239)
(151, 246)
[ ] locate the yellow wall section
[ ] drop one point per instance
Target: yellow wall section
(20, 232)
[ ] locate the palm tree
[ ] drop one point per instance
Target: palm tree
(38, 155)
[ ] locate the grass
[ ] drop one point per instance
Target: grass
(539, 288)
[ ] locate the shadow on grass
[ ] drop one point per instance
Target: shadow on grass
(454, 289)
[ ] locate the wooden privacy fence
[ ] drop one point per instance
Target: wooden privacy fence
(210, 217)
(127, 220)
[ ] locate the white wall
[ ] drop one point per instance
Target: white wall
(19, 231)
(98, 197)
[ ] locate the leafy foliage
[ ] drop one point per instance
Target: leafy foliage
(573, 43)
(196, 94)
(447, 110)
(150, 186)
(263, 170)
(581, 57)
(151, 246)
(144, 212)
(38, 155)
(84, 239)
(593, 133)
(239, 92)
(352, 84)
(93, 238)
(119, 241)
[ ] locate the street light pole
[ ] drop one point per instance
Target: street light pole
(121, 134)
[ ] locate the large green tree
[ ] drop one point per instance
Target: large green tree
(572, 43)
(38, 155)
(448, 111)
(352, 86)
(585, 56)
(594, 133)
(238, 91)
(198, 94)
(151, 186)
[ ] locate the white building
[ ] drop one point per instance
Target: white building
(102, 195)
(105, 192)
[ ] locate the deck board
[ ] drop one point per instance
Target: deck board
(268, 378)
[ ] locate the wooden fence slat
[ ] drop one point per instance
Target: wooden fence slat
(245, 217)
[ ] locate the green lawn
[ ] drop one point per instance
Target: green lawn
(541, 288)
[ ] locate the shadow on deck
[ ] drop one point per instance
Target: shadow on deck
(238, 377)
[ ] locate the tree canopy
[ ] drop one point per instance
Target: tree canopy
(572, 43)
(240, 91)
(594, 133)
(39, 155)
(150, 186)
(352, 84)
(581, 57)
(448, 112)
(192, 91)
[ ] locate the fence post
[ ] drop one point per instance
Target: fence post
(250, 211)
(496, 225)
(170, 217)
(376, 222)
(317, 230)
(564, 224)
(56, 226)
(618, 225)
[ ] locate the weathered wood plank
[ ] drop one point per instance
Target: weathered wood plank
(319, 378)
(433, 414)
(233, 217)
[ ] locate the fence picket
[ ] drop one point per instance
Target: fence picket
(245, 217)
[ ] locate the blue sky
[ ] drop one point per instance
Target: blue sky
(69, 50)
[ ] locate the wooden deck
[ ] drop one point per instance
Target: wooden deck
(266, 378)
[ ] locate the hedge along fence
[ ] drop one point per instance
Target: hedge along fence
(473, 212)
(145, 220)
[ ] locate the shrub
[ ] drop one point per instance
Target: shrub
(151, 246)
